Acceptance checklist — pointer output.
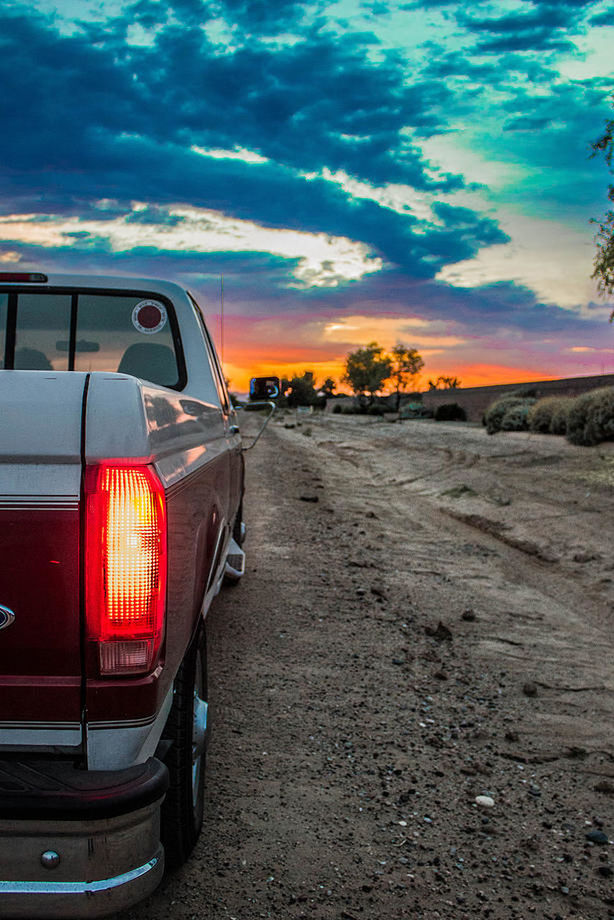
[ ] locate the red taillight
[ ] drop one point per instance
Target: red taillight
(125, 566)
(24, 276)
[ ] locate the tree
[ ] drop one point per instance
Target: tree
(406, 365)
(328, 387)
(302, 390)
(366, 370)
(604, 258)
(445, 383)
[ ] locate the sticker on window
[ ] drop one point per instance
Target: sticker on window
(149, 317)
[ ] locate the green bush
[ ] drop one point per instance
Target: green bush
(515, 418)
(497, 411)
(558, 423)
(450, 412)
(415, 410)
(590, 418)
(549, 415)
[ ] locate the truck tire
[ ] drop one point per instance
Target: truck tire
(238, 530)
(186, 729)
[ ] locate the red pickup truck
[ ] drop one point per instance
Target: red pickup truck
(121, 484)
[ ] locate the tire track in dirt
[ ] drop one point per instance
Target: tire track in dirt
(352, 733)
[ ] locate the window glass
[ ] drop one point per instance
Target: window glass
(4, 299)
(131, 335)
(214, 365)
(42, 332)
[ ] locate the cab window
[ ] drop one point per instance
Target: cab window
(216, 369)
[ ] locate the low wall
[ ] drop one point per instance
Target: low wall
(475, 400)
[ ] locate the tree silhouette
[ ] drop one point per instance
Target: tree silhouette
(444, 383)
(604, 257)
(366, 371)
(406, 365)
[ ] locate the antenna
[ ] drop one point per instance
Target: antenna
(222, 317)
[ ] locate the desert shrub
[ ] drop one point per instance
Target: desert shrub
(450, 412)
(590, 418)
(337, 409)
(415, 410)
(558, 422)
(549, 415)
(540, 414)
(496, 412)
(516, 417)
(375, 410)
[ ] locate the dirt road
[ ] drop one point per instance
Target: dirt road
(412, 689)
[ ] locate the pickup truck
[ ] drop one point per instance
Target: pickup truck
(121, 484)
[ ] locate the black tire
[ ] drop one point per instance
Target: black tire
(182, 810)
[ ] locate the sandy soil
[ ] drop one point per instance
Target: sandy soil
(426, 619)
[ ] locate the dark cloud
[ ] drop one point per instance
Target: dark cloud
(533, 40)
(603, 19)
(541, 17)
(315, 103)
(545, 27)
(248, 17)
(101, 119)
(526, 123)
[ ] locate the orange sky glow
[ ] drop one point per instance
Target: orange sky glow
(476, 375)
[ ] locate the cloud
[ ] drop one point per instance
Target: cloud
(317, 101)
(540, 255)
(603, 19)
(320, 260)
(179, 121)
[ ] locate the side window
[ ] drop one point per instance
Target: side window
(216, 370)
(4, 300)
(42, 332)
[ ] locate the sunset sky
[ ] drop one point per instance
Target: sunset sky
(412, 172)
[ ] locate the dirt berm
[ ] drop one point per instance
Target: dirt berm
(412, 689)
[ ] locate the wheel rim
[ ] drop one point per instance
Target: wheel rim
(199, 733)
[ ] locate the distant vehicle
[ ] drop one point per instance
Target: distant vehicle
(121, 487)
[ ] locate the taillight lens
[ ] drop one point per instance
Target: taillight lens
(125, 566)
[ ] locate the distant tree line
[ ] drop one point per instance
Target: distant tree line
(369, 371)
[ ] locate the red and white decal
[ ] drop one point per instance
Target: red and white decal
(149, 317)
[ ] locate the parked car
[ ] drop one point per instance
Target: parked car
(121, 487)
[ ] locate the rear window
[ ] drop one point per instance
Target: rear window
(130, 333)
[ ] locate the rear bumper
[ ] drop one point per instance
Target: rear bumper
(105, 862)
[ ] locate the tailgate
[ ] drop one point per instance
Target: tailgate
(40, 484)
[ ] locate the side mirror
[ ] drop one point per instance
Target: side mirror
(262, 392)
(264, 388)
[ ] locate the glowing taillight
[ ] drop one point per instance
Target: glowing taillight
(125, 566)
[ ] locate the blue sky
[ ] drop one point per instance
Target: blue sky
(411, 171)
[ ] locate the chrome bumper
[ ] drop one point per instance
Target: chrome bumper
(85, 867)
(92, 878)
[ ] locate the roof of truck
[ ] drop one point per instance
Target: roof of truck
(106, 282)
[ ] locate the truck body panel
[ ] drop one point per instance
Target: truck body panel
(40, 485)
